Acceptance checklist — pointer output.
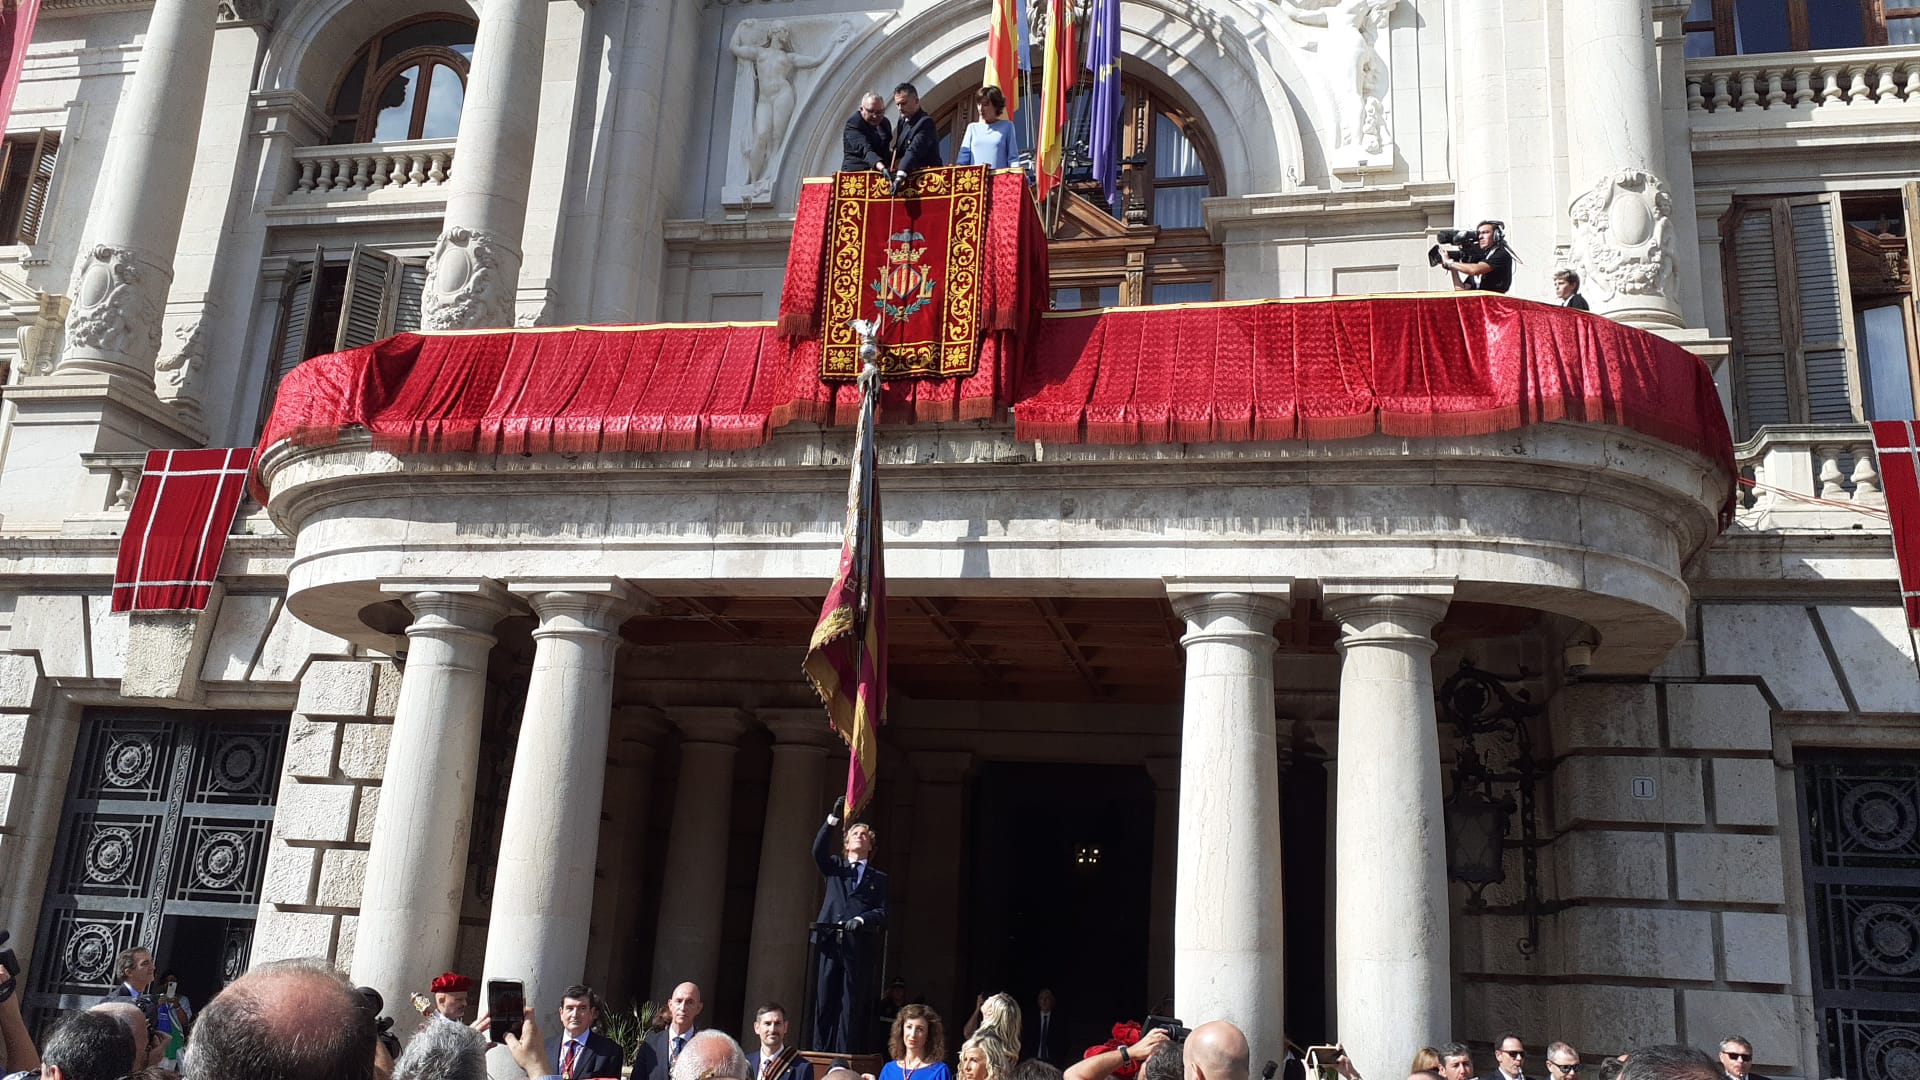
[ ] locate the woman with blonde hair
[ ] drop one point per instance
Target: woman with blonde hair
(998, 1016)
(1426, 1059)
(918, 1046)
(986, 1056)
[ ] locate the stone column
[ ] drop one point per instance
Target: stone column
(1623, 213)
(686, 944)
(417, 860)
(930, 922)
(125, 268)
(1228, 928)
(1390, 870)
(1166, 873)
(623, 868)
(787, 891)
(550, 833)
(475, 267)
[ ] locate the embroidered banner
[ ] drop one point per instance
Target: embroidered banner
(177, 529)
(1897, 446)
(914, 262)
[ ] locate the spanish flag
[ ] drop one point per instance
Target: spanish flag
(847, 659)
(1062, 71)
(1003, 51)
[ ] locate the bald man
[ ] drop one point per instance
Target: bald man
(146, 1050)
(291, 1020)
(1217, 1051)
(658, 1052)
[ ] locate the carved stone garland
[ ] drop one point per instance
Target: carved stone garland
(1620, 229)
(469, 281)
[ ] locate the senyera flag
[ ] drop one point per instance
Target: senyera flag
(16, 30)
(1062, 70)
(847, 658)
(177, 528)
(1896, 443)
(1004, 49)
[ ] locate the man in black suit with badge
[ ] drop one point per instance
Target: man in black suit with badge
(867, 140)
(847, 935)
(579, 1051)
(916, 142)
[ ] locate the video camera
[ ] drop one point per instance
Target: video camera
(1465, 244)
(372, 1002)
(1176, 1031)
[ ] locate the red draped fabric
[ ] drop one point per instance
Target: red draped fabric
(177, 528)
(1896, 445)
(806, 260)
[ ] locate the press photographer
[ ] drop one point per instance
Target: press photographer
(1479, 259)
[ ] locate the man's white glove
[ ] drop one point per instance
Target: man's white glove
(855, 923)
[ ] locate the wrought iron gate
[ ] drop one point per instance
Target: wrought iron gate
(166, 819)
(1861, 819)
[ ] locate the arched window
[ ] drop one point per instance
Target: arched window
(407, 83)
(1767, 26)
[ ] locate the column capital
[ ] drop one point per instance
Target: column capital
(466, 603)
(580, 605)
(721, 724)
(798, 729)
(1222, 609)
(1386, 610)
(1190, 591)
(941, 766)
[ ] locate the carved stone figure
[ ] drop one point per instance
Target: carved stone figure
(766, 47)
(1620, 230)
(1356, 70)
(174, 371)
(466, 285)
(116, 306)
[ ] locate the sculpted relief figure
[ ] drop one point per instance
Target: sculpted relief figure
(766, 53)
(1356, 70)
(1621, 235)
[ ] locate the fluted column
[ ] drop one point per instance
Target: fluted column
(686, 945)
(417, 862)
(550, 833)
(1623, 212)
(1228, 928)
(1390, 872)
(787, 891)
(475, 267)
(125, 267)
(623, 868)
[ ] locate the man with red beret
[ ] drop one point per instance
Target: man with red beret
(450, 996)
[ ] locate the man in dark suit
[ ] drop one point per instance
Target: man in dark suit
(579, 1052)
(1046, 1032)
(853, 913)
(658, 1050)
(867, 141)
(916, 142)
(775, 1060)
(1736, 1059)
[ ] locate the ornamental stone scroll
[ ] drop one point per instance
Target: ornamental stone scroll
(1355, 84)
(469, 281)
(1621, 230)
(778, 61)
(114, 323)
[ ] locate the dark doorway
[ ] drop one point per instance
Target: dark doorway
(1303, 868)
(203, 953)
(1062, 865)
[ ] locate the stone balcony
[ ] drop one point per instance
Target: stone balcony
(1817, 96)
(367, 179)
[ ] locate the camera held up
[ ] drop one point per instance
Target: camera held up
(1465, 244)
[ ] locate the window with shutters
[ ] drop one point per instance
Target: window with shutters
(1820, 301)
(342, 301)
(26, 177)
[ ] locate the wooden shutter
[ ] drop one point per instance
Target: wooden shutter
(39, 180)
(1791, 308)
(296, 323)
(367, 308)
(1759, 324)
(413, 284)
(1825, 297)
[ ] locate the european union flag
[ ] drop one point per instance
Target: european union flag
(1103, 59)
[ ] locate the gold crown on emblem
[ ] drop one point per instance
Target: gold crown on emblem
(905, 255)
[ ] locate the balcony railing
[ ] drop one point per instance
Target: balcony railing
(1805, 82)
(421, 165)
(1810, 477)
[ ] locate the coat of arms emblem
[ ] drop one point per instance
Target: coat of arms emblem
(905, 285)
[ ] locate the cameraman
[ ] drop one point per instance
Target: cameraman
(1494, 270)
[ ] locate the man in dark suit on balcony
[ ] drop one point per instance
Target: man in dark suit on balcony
(867, 141)
(916, 142)
(856, 909)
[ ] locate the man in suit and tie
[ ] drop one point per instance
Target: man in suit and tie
(916, 142)
(775, 1060)
(660, 1049)
(847, 941)
(579, 1052)
(1047, 1031)
(866, 143)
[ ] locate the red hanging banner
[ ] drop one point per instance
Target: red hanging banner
(1896, 444)
(16, 31)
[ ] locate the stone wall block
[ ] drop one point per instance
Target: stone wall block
(386, 691)
(291, 935)
(1729, 869)
(13, 740)
(1487, 945)
(364, 817)
(288, 878)
(1488, 1008)
(363, 750)
(1770, 1020)
(310, 748)
(1744, 792)
(6, 801)
(19, 681)
(1601, 790)
(341, 874)
(315, 812)
(1602, 1019)
(1586, 716)
(1757, 947)
(336, 688)
(347, 938)
(1612, 865)
(1718, 716)
(1638, 943)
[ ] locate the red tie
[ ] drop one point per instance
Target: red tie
(566, 1060)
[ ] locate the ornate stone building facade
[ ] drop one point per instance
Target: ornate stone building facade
(1166, 718)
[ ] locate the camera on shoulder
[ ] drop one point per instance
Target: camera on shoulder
(1465, 245)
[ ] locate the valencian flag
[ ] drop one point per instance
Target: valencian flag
(16, 30)
(1103, 59)
(1062, 69)
(1896, 445)
(1006, 49)
(847, 659)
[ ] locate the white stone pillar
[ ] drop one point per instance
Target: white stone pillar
(1166, 874)
(475, 267)
(686, 944)
(125, 268)
(1623, 213)
(550, 833)
(1390, 869)
(787, 891)
(623, 868)
(417, 861)
(929, 921)
(1228, 928)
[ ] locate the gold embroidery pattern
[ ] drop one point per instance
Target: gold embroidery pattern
(954, 350)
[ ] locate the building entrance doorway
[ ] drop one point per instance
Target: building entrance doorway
(1062, 861)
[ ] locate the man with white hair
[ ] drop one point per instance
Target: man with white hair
(443, 1050)
(712, 1055)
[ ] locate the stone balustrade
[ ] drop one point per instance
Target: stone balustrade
(123, 470)
(421, 164)
(1804, 81)
(1832, 464)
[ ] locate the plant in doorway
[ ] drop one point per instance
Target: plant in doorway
(630, 1027)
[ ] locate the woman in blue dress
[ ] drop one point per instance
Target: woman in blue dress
(917, 1045)
(989, 140)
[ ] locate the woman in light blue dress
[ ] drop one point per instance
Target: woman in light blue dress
(989, 140)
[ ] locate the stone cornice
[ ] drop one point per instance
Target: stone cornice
(1306, 209)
